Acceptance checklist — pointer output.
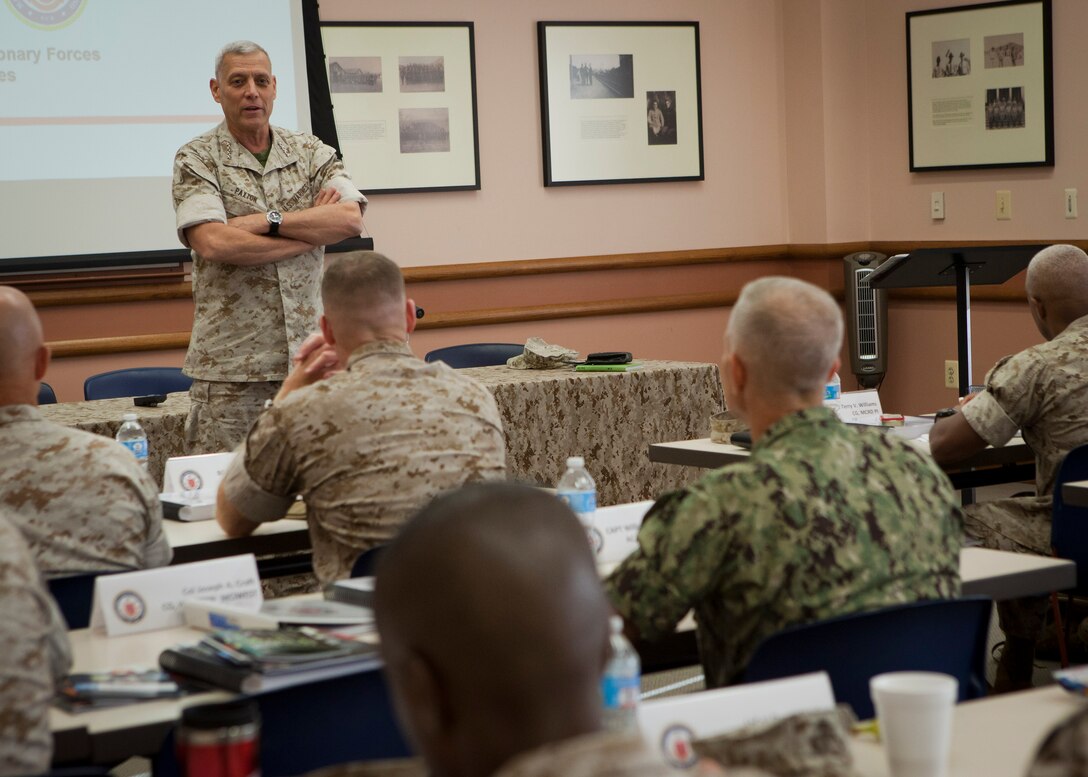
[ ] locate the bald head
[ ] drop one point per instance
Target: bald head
(494, 626)
(23, 354)
(788, 333)
(1057, 287)
(364, 298)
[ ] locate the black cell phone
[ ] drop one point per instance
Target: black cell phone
(151, 400)
(741, 439)
(609, 357)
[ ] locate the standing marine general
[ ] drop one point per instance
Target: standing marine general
(256, 204)
(823, 519)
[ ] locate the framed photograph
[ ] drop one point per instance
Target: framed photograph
(404, 104)
(980, 86)
(620, 102)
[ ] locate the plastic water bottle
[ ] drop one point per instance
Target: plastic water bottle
(620, 684)
(133, 437)
(832, 392)
(578, 490)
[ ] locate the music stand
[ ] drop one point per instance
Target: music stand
(959, 267)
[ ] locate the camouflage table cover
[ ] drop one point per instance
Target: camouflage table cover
(609, 417)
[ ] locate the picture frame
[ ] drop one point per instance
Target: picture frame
(404, 104)
(980, 86)
(620, 102)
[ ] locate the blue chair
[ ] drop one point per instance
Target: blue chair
(1069, 535)
(475, 354)
(75, 595)
(46, 395)
(934, 636)
(309, 726)
(365, 565)
(136, 382)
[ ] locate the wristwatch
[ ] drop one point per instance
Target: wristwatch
(275, 218)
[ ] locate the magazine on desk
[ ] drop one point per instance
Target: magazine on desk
(251, 660)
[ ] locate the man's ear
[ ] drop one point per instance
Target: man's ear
(213, 85)
(41, 362)
(410, 315)
(424, 705)
(738, 372)
(326, 330)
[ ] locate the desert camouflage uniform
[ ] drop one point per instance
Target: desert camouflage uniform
(366, 448)
(81, 500)
(1042, 391)
(248, 320)
(822, 520)
(36, 654)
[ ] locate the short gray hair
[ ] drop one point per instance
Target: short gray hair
(788, 332)
(238, 47)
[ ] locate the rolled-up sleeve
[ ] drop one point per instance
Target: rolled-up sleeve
(331, 173)
(1009, 401)
(260, 479)
(197, 199)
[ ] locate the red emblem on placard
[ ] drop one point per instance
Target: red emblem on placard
(676, 746)
(129, 607)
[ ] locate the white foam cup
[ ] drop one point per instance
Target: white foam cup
(915, 714)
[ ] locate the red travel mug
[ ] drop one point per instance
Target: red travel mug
(220, 740)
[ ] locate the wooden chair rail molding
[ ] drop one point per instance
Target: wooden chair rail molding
(530, 267)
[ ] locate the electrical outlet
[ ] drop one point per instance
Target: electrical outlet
(1003, 205)
(936, 205)
(951, 374)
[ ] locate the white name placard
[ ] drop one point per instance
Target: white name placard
(151, 599)
(614, 534)
(672, 724)
(860, 407)
(195, 476)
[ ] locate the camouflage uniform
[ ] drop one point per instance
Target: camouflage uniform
(1043, 392)
(592, 755)
(81, 500)
(366, 448)
(822, 520)
(36, 654)
(1064, 752)
(248, 320)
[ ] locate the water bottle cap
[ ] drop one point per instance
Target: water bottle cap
(575, 461)
(129, 417)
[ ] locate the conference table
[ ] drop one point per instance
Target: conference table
(1011, 463)
(110, 735)
(1076, 493)
(547, 415)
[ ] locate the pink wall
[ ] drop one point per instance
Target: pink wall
(515, 217)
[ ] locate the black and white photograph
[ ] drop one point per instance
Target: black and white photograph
(424, 130)
(418, 132)
(355, 74)
(1005, 108)
(601, 76)
(976, 115)
(661, 118)
(951, 58)
(422, 74)
(1004, 50)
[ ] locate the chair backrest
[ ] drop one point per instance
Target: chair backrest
(46, 395)
(1069, 524)
(74, 595)
(365, 565)
(135, 382)
(475, 354)
(309, 726)
(934, 636)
